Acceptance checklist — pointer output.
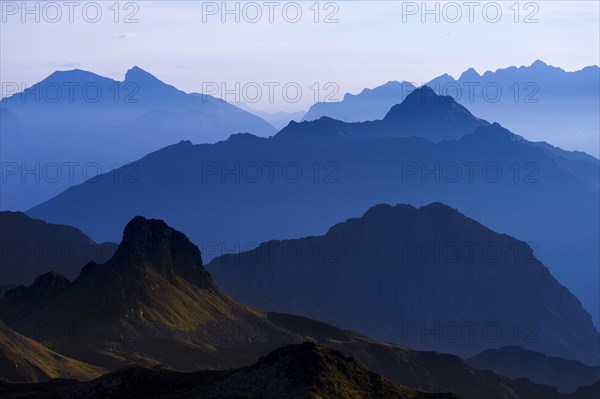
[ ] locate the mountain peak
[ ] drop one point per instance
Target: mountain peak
(423, 113)
(152, 243)
(470, 73)
(138, 75)
(50, 280)
(383, 213)
(423, 91)
(46, 286)
(439, 113)
(538, 64)
(420, 95)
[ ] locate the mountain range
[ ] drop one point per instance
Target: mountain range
(153, 303)
(368, 105)
(75, 124)
(247, 190)
(295, 371)
(428, 278)
(539, 101)
(518, 362)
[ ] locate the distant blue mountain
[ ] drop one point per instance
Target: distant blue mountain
(425, 114)
(80, 117)
(542, 102)
(246, 190)
(422, 114)
(96, 99)
(368, 105)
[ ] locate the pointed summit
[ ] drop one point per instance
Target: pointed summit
(152, 243)
(424, 91)
(150, 84)
(425, 114)
(470, 74)
(137, 74)
(421, 95)
(156, 94)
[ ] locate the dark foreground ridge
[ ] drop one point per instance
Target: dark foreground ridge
(518, 362)
(295, 371)
(153, 304)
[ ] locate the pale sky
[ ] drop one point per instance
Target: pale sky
(186, 44)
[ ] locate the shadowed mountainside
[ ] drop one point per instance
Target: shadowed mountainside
(153, 303)
(31, 247)
(295, 371)
(417, 277)
(22, 359)
(517, 362)
(235, 194)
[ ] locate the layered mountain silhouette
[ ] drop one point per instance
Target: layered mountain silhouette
(425, 114)
(429, 278)
(24, 360)
(518, 362)
(422, 113)
(77, 98)
(368, 105)
(75, 124)
(152, 295)
(30, 247)
(435, 117)
(154, 304)
(295, 371)
(233, 195)
(543, 102)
